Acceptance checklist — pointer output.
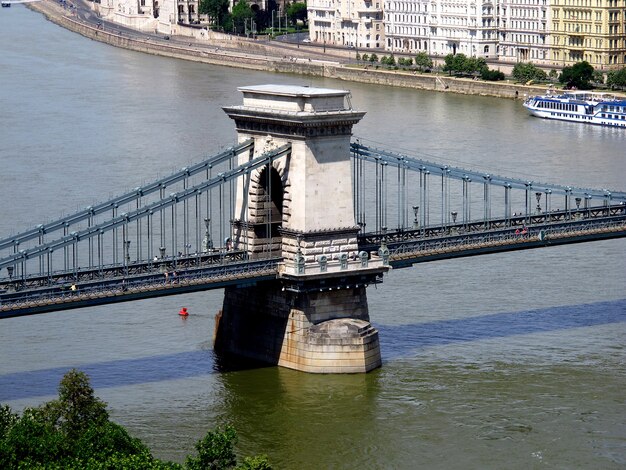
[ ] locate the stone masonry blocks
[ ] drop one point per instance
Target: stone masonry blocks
(320, 332)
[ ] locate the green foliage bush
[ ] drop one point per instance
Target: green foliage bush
(616, 78)
(74, 433)
(460, 64)
(492, 75)
(578, 76)
(388, 60)
(423, 61)
(526, 71)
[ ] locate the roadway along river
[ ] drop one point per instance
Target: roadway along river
(503, 361)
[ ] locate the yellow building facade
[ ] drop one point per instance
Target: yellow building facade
(590, 30)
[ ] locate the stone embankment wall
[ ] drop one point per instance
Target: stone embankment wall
(434, 82)
(262, 56)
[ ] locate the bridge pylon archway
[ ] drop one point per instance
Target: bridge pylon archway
(258, 228)
(314, 317)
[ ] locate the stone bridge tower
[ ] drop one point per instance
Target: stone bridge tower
(314, 317)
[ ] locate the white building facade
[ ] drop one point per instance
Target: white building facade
(407, 26)
(523, 32)
(441, 27)
(150, 15)
(351, 23)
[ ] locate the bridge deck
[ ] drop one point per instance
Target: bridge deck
(40, 294)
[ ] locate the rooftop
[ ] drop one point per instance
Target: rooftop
(292, 90)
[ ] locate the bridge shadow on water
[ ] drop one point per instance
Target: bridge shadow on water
(397, 341)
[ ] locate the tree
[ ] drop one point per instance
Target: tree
(455, 63)
(215, 451)
(373, 58)
(216, 9)
(526, 71)
(77, 406)
(616, 78)
(598, 77)
(423, 61)
(390, 61)
(297, 12)
(460, 64)
(258, 462)
(474, 66)
(242, 14)
(577, 76)
(74, 433)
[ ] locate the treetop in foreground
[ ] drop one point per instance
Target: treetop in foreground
(74, 433)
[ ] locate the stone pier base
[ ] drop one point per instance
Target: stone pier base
(319, 332)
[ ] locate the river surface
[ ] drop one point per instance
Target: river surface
(513, 360)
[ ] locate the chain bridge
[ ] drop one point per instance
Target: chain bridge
(294, 222)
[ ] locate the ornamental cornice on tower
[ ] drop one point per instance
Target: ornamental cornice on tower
(294, 111)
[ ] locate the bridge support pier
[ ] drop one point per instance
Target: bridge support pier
(314, 316)
(325, 331)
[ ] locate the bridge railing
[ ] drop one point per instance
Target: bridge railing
(140, 285)
(500, 240)
(117, 271)
(555, 219)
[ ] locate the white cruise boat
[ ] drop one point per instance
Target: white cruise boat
(579, 106)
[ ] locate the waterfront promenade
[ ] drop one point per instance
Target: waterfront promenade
(264, 55)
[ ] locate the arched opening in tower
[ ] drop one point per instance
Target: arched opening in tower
(269, 211)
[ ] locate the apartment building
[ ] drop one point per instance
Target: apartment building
(407, 26)
(545, 32)
(442, 27)
(465, 26)
(591, 30)
(523, 31)
(351, 23)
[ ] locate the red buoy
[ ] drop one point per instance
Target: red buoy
(183, 312)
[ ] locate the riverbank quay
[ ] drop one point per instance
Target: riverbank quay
(266, 56)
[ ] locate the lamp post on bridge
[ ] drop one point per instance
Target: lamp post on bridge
(548, 210)
(207, 242)
(10, 272)
(587, 204)
(578, 201)
(538, 196)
